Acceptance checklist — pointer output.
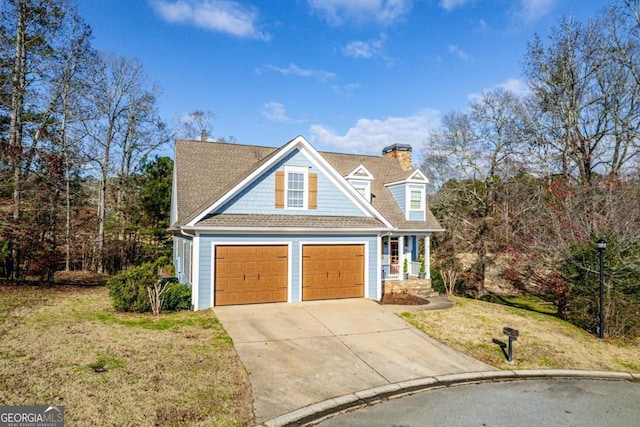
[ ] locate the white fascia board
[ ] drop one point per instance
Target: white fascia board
(290, 146)
(339, 181)
(291, 230)
(352, 174)
(411, 180)
(316, 158)
(403, 231)
(418, 176)
(195, 267)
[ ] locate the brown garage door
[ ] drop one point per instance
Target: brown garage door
(250, 274)
(332, 271)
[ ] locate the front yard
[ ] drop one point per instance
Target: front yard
(545, 341)
(65, 345)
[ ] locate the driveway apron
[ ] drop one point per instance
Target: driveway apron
(302, 353)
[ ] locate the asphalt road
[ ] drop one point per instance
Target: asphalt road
(554, 402)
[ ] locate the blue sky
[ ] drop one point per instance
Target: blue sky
(349, 75)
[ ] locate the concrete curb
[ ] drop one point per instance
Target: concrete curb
(320, 410)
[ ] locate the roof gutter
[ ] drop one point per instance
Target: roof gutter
(283, 230)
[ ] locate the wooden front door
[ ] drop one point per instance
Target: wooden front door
(394, 255)
(251, 274)
(332, 271)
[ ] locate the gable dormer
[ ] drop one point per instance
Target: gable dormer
(360, 178)
(411, 195)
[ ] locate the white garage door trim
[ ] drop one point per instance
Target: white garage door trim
(250, 243)
(336, 242)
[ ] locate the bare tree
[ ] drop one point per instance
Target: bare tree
(198, 124)
(585, 97)
(68, 80)
(449, 279)
(480, 147)
(36, 30)
(122, 126)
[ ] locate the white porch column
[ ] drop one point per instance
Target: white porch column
(427, 256)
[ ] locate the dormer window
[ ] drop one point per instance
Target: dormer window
(361, 188)
(416, 197)
(416, 200)
(360, 178)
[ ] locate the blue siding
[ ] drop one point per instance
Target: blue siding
(204, 278)
(259, 197)
(182, 258)
(400, 195)
(416, 216)
(295, 242)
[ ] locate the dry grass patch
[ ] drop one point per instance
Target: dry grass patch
(66, 346)
(545, 342)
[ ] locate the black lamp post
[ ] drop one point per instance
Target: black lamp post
(601, 245)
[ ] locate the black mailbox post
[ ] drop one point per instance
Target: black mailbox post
(513, 336)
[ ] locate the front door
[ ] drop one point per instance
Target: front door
(393, 255)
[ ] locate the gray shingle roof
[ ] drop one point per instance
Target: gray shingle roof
(297, 221)
(207, 170)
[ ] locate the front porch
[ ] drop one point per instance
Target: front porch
(402, 257)
(418, 287)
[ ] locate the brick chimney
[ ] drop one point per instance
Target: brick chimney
(400, 152)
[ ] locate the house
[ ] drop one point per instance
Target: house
(256, 224)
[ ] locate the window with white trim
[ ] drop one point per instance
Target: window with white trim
(295, 190)
(296, 181)
(362, 187)
(416, 199)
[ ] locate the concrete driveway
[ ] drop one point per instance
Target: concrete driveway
(299, 354)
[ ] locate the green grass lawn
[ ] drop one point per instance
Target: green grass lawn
(65, 345)
(545, 341)
(528, 302)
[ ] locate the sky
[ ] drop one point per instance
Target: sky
(350, 76)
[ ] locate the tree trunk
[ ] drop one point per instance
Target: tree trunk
(15, 126)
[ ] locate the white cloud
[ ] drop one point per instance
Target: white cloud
(515, 86)
(360, 49)
(482, 27)
(294, 70)
(347, 88)
(457, 51)
(452, 4)
(365, 49)
(532, 10)
(276, 112)
(370, 136)
(222, 16)
(337, 12)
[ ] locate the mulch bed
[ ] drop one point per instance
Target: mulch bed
(403, 299)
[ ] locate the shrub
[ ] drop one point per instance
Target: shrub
(580, 271)
(436, 281)
(177, 297)
(128, 289)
